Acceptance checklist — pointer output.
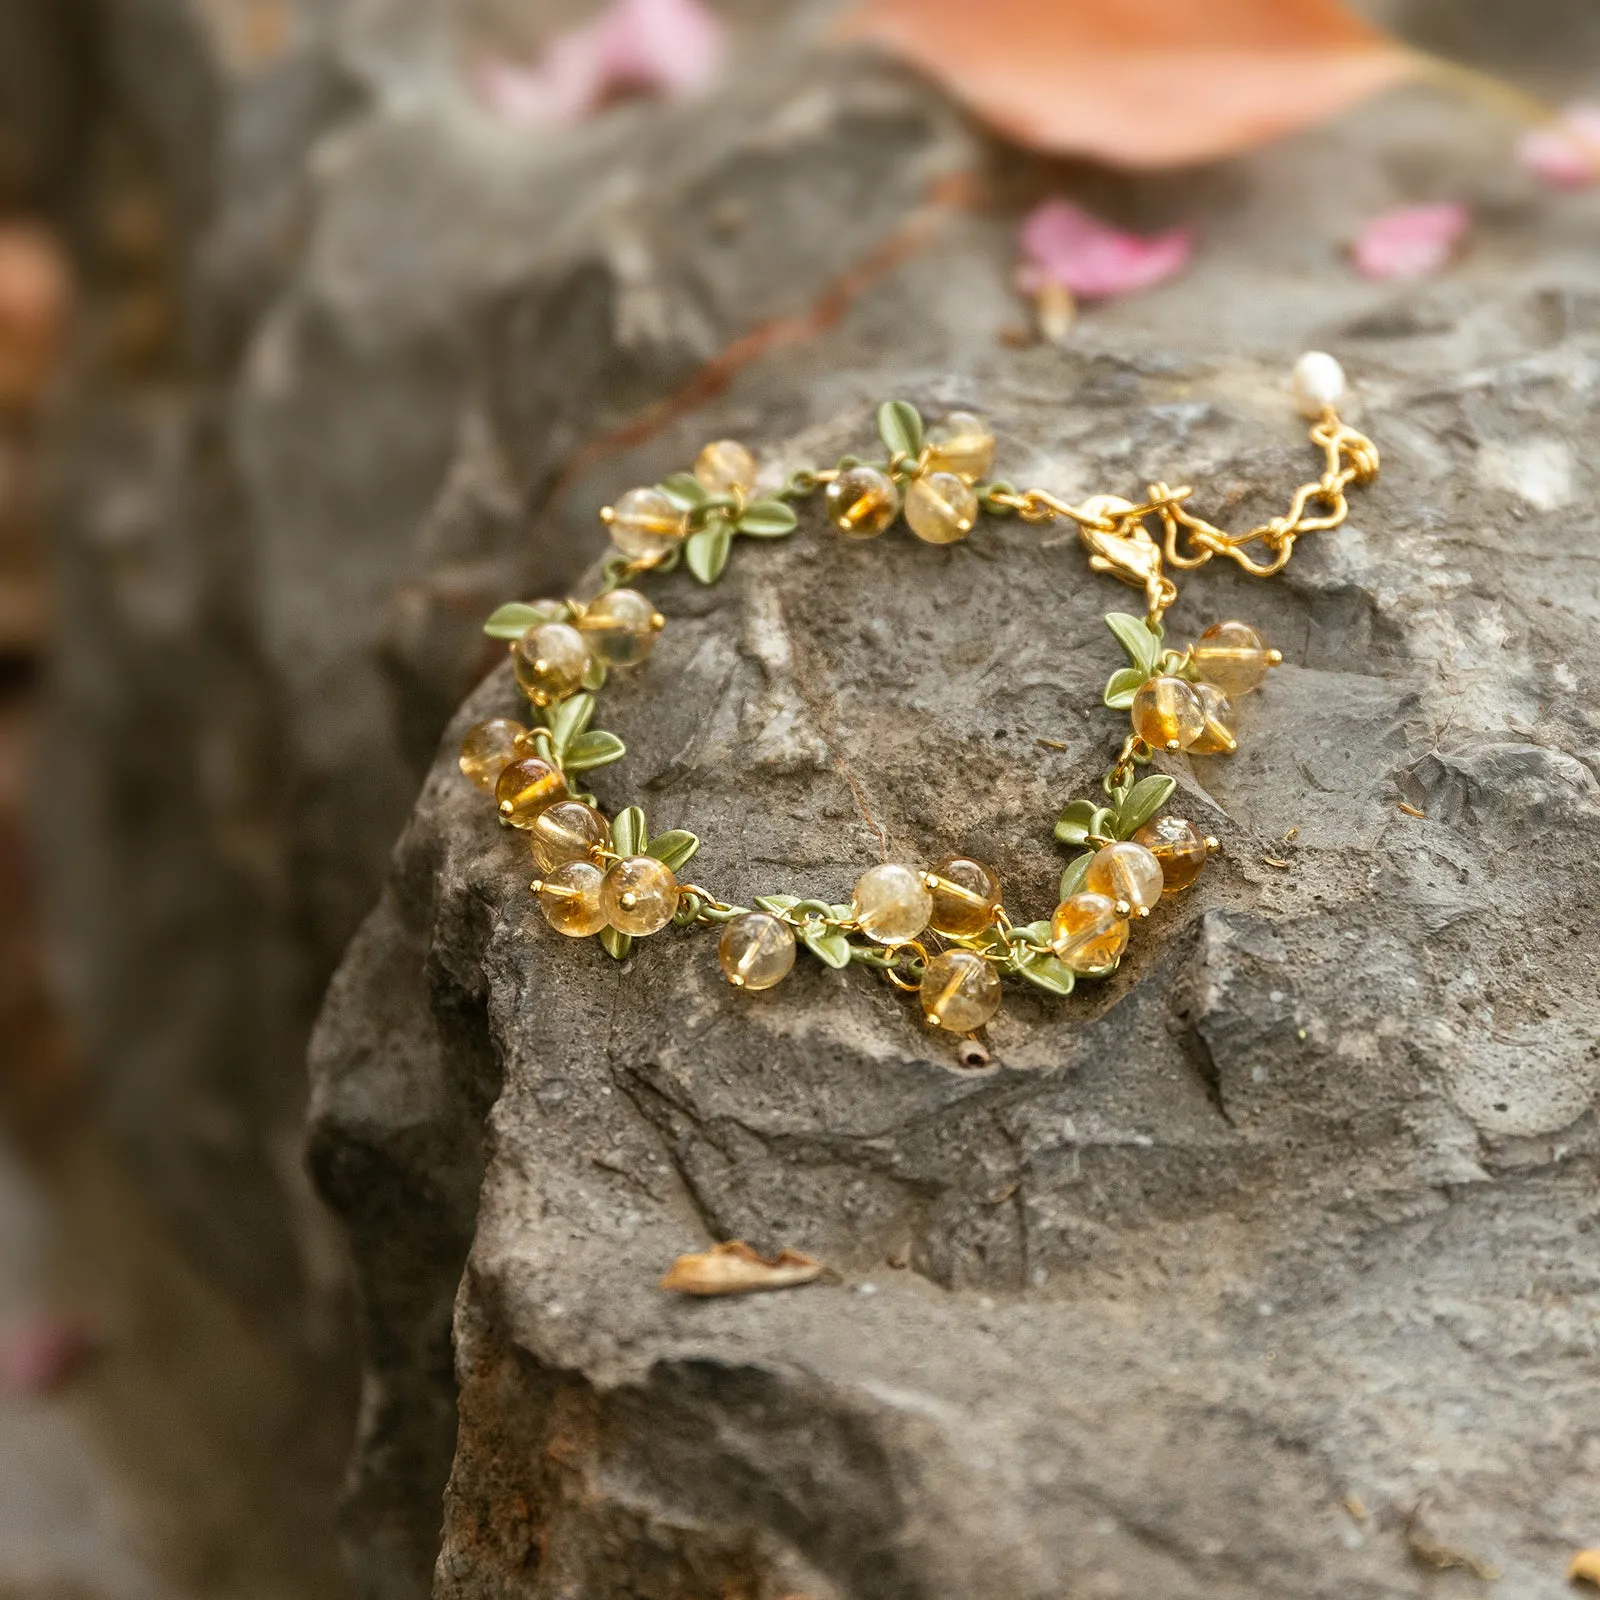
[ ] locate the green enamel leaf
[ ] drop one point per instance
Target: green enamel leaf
(1072, 878)
(1047, 973)
(513, 620)
(775, 903)
(568, 720)
(596, 749)
(594, 675)
(707, 551)
(1076, 821)
(1142, 802)
(674, 847)
(1136, 637)
(767, 519)
(617, 945)
(683, 489)
(900, 427)
(1123, 685)
(827, 944)
(628, 834)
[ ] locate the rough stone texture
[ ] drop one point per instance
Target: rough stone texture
(1295, 1209)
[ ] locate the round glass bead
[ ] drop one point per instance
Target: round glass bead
(862, 502)
(550, 660)
(891, 903)
(756, 951)
(959, 991)
(724, 465)
(487, 748)
(646, 526)
(966, 895)
(1216, 738)
(1126, 873)
(1087, 934)
(961, 444)
(525, 787)
(640, 895)
(1231, 656)
(941, 508)
(1178, 847)
(621, 627)
(569, 897)
(567, 831)
(1166, 713)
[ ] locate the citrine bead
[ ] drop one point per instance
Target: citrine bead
(567, 831)
(756, 950)
(1178, 847)
(1232, 656)
(487, 748)
(941, 508)
(550, 660)
(959, 991)
(1126, 873)
(966, 895)
(569, 897)
(621, 627)
(646, 526)
(1087, 934)
(640, 895)
(961, 444)
(891, 903)
(525, 787)
(1216, 738)
(1166, 713)
(725, 465)
(862, 502)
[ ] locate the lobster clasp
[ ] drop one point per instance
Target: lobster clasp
(1127, 551)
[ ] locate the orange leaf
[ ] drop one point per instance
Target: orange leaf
(1141, 83)
(734, 1268)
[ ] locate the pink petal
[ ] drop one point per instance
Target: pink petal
(1410, 242)
(1566, 156)
(1063, 244)
(41, 1355)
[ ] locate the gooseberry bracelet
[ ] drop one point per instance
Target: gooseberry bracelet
(942, 931)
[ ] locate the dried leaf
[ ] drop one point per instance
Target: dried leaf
(1566, 154)
(1065, 247)
(1141, 83)
(1585, 1568)
(735, 1268)
(1410, 242)
(1428, 1551)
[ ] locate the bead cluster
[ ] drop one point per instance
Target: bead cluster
(942, 932)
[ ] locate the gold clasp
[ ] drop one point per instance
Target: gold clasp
(1119, 544)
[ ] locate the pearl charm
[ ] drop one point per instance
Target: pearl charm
(1318, 382)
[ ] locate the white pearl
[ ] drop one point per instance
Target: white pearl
(1318, 383)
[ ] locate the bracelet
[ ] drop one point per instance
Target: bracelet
(942, 932)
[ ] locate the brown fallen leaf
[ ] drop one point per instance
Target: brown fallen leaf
(1585, 1568)
(1429, 1552)
(1142, 83)
(734, 1268)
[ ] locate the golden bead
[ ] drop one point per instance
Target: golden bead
(891, 904)
(1216, 738)
(646, 526)
(959, 991)
(961, 444)
(1166, 713)
(567, 831)
(1178, 847)
(1126, 873)
(1087, 934)
(487, 748)
(621, 627)
(756, 951)
(525, 787)
(862, 502)
(550, 660)
(966, 895)
(941, 508)
(569, 897)
(725, 465)
(1231, 656)
(640, 895)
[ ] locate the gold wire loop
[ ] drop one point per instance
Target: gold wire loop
(894, 977)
